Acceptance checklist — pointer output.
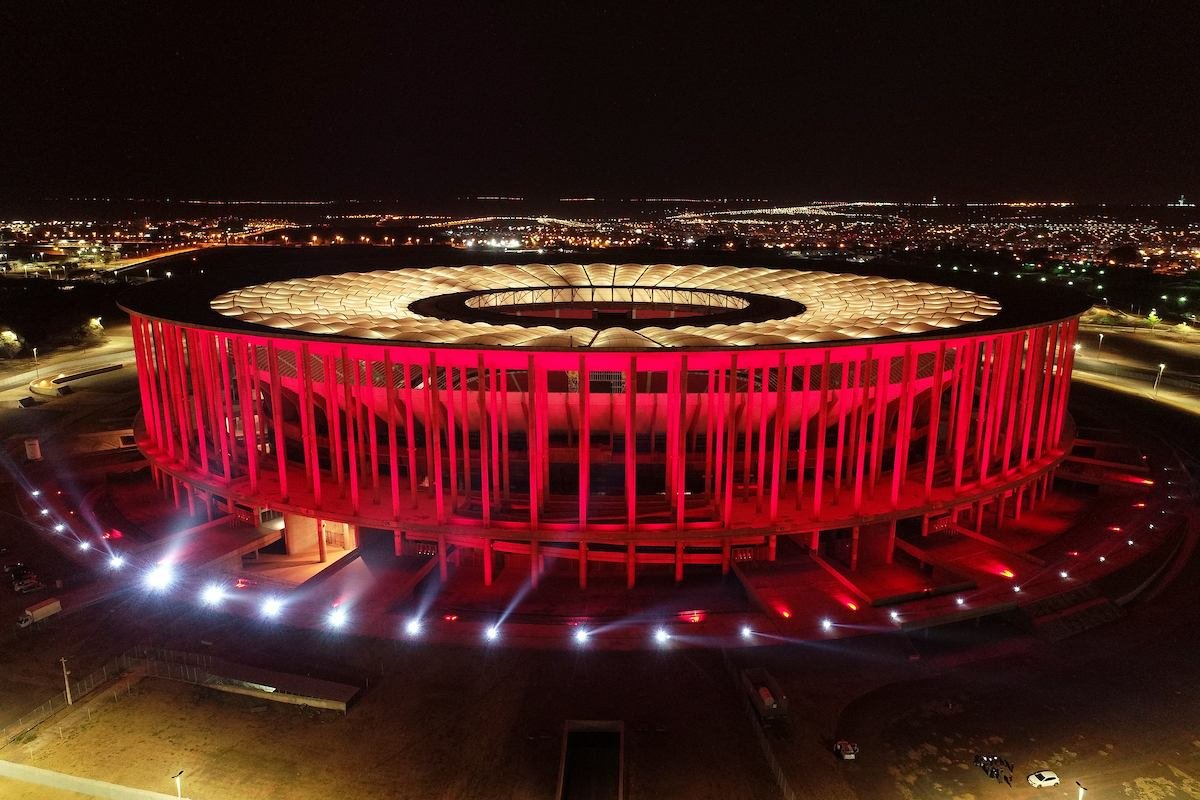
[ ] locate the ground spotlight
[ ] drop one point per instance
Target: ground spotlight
(581, 635)
(661, 636)
(960, 601)
(116, 561)
(212, 595)
(59, 527)
(85, 545)
(492, 633)
(36, 493)
(826, 624)
(413, 627)
(1016, 588)
(747, 633)
(1064, 574)
(1102, 559)
(895, 615)
(272, 607)
(337, 618)
(45, 512)
(160, 577)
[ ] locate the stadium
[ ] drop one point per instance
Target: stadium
(622, 419)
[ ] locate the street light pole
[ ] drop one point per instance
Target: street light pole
(37, 372)
(66, 680)
(1082, 790)
(178, 778)
(1100, 346)
(1158, 378)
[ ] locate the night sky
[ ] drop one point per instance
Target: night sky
(841, 100)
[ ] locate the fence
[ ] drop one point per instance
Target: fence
(785, 786)
(79, 688)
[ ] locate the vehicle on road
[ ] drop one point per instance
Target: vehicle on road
(27, 585)
(1043, 778)
(765, 694)
(39, 611)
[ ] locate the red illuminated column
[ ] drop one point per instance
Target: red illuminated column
(904, 426)
(783, 396)
(802, 448)
(310, 422)
(681, 447)
(532, 444)
(149, 404)
(506, 482)
(494, 429)
(1053, 357)
(333, 421)
(229, 422)
(763, 391)
(164, 391)
(196, 368)
(583, 564)
(410, 437)
(389, 392)
(822, 423)
(451, 438)
(935, 413)
(466, 431)
(730, 440)
(277, 414)
(631, 454)
(249, 429)
(718, 411)
(433, 438)
(350, 415)
(860, 445)
(747, 400)
(585, 456)
(485, 484)
(367, 393)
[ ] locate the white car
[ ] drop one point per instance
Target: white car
(1043, 778)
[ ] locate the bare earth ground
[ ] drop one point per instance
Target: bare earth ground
(447, 724)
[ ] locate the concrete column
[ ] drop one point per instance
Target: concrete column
(443, 567)
(534, 563)
(487, 562)
(854, 534)
(583, 564)
(890, 555)
(678, 562)
(398, 542)
(630, 565)
(772, 543)
(726, 556)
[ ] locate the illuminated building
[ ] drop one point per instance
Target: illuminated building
(715, 408)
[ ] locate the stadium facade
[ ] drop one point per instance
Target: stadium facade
(625, 415)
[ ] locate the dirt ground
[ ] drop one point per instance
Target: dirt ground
(440, 724)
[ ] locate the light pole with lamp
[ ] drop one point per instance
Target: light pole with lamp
(37, 371)
(1158, 378)
(1082, 790)
(66, 679)
(178, 778)
(1100, 346)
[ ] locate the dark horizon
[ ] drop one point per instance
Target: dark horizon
(890, 102)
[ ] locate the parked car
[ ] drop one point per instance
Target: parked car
(847, 751)
(28, 585)
(1043, 778)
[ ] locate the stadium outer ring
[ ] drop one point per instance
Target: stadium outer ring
(890, 428)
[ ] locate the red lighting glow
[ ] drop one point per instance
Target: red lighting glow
(450, 617)
(1007, 573)
(1139, 505)
(696, 615)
